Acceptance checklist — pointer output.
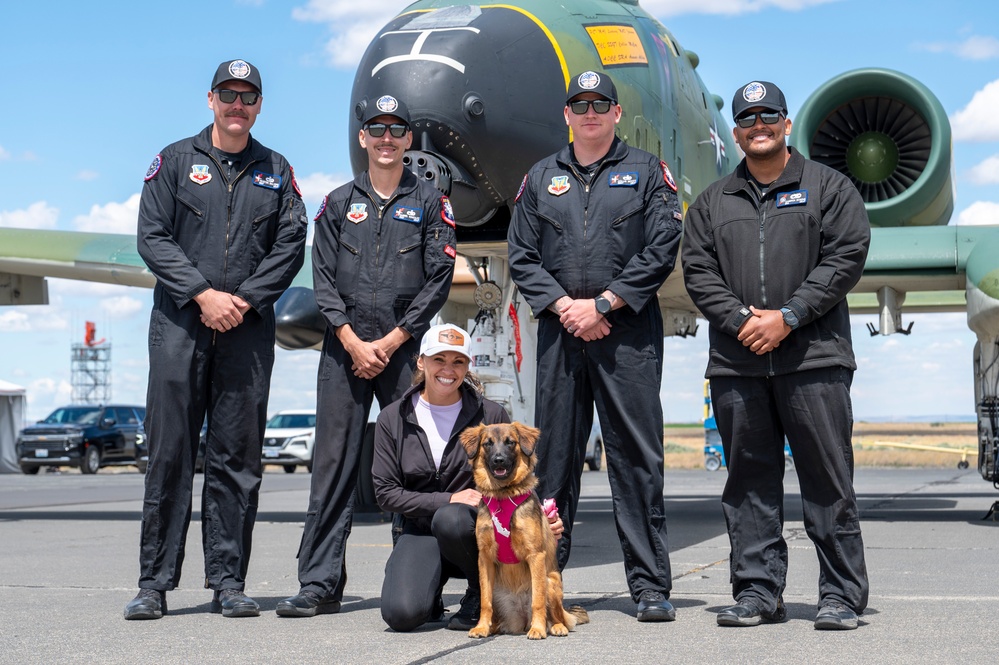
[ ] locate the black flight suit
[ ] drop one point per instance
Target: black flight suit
(621, 232)
(243, 233)
(802, 245)
(377, 267)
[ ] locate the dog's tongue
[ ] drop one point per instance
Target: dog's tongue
(499, 473)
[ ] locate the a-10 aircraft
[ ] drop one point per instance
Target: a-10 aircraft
(485, 85)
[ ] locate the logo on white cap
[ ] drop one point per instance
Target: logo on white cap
(239, 69)
(588, 80)
(754, 92)
(387, 104)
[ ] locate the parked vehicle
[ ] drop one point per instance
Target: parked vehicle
(86, 436)
(289, 438)
(595, 447)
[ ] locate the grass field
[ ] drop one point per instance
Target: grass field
(685, 444)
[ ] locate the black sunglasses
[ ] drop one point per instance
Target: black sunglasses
(377, 130)
(599, 106)
(248, 98)
(748, 120)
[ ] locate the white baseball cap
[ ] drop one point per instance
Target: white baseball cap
(446, 337)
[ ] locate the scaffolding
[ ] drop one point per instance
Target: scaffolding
(91, 369)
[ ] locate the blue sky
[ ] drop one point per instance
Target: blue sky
(89, 97)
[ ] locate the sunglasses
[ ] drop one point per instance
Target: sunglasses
(229, 96)
(599, 106)
(377, 130)
(748, 120)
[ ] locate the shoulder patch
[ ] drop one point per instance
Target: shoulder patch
(667, 176)
(322, 209)
(154, 168)
(523, 186)
(796, 198)
(447, 212)
(294, 183)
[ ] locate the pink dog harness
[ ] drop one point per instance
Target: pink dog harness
(502, 512)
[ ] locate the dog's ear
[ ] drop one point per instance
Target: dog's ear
(470, 440)
(528, 437)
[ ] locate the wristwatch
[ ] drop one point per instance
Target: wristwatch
(790, 318)
(603, 305)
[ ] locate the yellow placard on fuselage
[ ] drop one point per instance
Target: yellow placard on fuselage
(617, 45)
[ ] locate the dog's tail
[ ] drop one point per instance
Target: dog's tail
(579, 613)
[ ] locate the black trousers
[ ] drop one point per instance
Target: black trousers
(621, 375)
(813, 409)
(421, 563)
(193, 372)
(343, 404)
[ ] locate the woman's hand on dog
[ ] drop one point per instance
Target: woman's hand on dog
(470, 497)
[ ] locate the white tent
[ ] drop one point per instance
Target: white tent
(11, 421)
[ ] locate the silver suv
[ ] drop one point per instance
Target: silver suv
(289, 438)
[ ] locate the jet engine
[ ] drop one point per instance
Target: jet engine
(890, 135)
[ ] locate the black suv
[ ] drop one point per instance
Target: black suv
(86, 436)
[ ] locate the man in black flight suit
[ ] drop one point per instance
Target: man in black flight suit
(222, 227)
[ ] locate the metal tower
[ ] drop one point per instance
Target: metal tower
(91, 365)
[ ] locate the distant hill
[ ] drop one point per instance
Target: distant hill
(946, 418)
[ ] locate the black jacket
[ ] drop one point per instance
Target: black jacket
(381, 268)
(245, 237)
(403, 472)
(803, 247)
(622, 236)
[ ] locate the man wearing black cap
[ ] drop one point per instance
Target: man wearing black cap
(594, 234)
(222, 227)
(769, 255)
(382, 260)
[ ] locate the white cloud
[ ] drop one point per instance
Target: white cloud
(978, 121)
(985, 173)
(663, 8)
(38, 215)
(110, 218)
(316, 186)
(34, 319)
(353, 25)
(87, 175)
(122, 307)
(975, 47)
(3, 154)
(979, 213)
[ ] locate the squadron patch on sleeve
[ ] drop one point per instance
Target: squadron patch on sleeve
(154, 168)
(450, 251)
(523, 186)
(667, 176)
(322, 209)
(294, 183)
(447, 212)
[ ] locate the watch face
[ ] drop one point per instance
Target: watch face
(603, 305)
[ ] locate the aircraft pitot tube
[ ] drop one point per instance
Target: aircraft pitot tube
(890, 135)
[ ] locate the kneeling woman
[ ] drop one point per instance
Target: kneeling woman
(421, 473)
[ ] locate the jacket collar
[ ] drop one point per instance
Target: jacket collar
(791, 174)
(203, 143)
(471, 402)
(407, 185)
(617, 152)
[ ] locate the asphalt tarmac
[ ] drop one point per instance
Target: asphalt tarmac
(69, 563)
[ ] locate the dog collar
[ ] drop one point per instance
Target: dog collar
(502, 511)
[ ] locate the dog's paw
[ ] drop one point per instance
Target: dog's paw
(559, 630)
(479, 631)
(536, 634)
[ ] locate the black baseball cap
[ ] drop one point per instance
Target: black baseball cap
(758, 93)
(237, 70)
(384, 105)
(590, 81)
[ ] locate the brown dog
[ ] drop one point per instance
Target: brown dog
(519, 579)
